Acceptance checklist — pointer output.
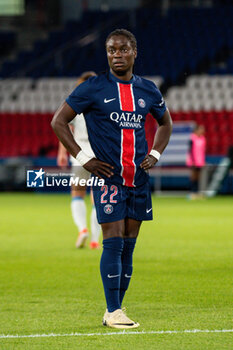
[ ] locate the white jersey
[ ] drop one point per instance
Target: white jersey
(81, 137)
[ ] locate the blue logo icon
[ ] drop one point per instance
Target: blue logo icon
(35, 178)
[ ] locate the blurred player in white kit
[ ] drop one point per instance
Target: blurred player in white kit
(78, 206)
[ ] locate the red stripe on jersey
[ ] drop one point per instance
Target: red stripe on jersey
(127, 156)
(126, 97)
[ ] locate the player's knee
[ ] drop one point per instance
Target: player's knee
(110, 234)
(113, 229)
(131, 231)
(132, 234)
(132, 228)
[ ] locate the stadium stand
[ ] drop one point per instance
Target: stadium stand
(27, 134)
(7, 42)
(28, 104)
(207, 100)
(202, 93)
(196, 36)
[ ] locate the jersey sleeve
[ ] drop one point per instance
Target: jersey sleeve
(80, 99)
(158, 107)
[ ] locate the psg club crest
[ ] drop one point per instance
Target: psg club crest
(108, 209)
(141, 103)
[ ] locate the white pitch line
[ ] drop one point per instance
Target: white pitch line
(7, 336)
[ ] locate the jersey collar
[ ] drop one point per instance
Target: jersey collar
(113, 78)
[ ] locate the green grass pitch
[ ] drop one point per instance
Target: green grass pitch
(182, 277)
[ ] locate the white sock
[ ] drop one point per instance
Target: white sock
(95, 226)
(78, 209)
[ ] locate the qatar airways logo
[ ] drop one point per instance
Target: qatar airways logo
(126, 119)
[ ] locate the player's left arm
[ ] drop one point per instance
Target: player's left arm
(161, 140)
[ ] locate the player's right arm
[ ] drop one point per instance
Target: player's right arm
(60, 124)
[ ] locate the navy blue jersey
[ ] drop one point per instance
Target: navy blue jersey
(115, 113)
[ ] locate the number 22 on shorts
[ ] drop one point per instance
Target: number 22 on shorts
(113, 191)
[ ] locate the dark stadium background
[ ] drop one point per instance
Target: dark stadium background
(186, 47)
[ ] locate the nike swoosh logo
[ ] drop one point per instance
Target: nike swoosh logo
(148, 210)
(112, 276)
(127, 276)
(161, 103)
(111, 99)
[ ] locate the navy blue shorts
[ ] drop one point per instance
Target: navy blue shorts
(116, 202)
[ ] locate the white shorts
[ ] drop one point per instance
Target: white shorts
(79, 171)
